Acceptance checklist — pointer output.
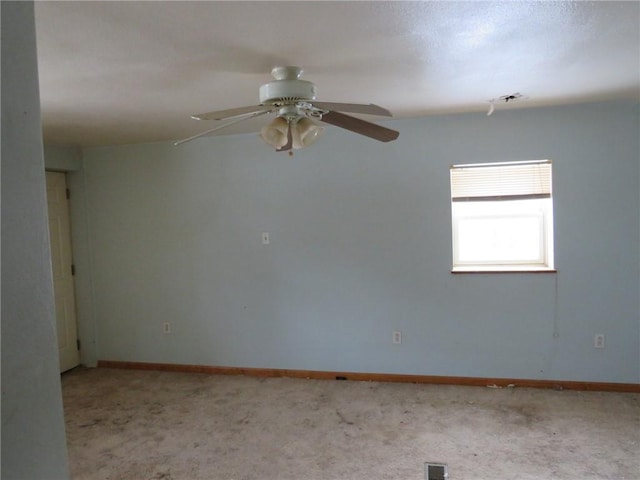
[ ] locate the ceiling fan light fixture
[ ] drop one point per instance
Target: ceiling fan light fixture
(275, 133)
(305, 132)
(294, 102)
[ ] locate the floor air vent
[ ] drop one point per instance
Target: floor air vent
(436, 471)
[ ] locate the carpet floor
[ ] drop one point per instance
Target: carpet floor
(143, 425)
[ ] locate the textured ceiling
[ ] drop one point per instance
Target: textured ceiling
(129, 72)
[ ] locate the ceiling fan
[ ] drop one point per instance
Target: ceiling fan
(294, 102)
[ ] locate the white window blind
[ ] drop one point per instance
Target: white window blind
(505, 181)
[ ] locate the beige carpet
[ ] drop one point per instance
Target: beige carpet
(130, 425)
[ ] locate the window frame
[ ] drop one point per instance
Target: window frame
(541, 206)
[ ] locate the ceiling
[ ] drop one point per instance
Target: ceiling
(130, 72)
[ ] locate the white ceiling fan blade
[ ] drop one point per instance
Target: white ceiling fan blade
(369, 109)
(220, 127)
(232, 112)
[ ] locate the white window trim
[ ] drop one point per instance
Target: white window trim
(545, 260)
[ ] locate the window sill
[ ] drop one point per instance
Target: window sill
(523, 270)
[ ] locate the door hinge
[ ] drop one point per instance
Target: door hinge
(68, 192)
(78, 344)
(73, 269)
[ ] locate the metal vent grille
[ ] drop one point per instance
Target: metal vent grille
(436, 471)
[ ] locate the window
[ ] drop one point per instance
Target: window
(502, 216)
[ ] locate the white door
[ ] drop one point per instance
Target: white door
(60, 234)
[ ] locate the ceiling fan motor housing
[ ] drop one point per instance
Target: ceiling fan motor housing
(287, 89)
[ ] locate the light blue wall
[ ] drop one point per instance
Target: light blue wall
(360, 246)
(62, 159)
(33, 434)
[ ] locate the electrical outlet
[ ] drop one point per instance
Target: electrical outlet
(166, 327)
(598, 340)
(397, 337)
(265, 238)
